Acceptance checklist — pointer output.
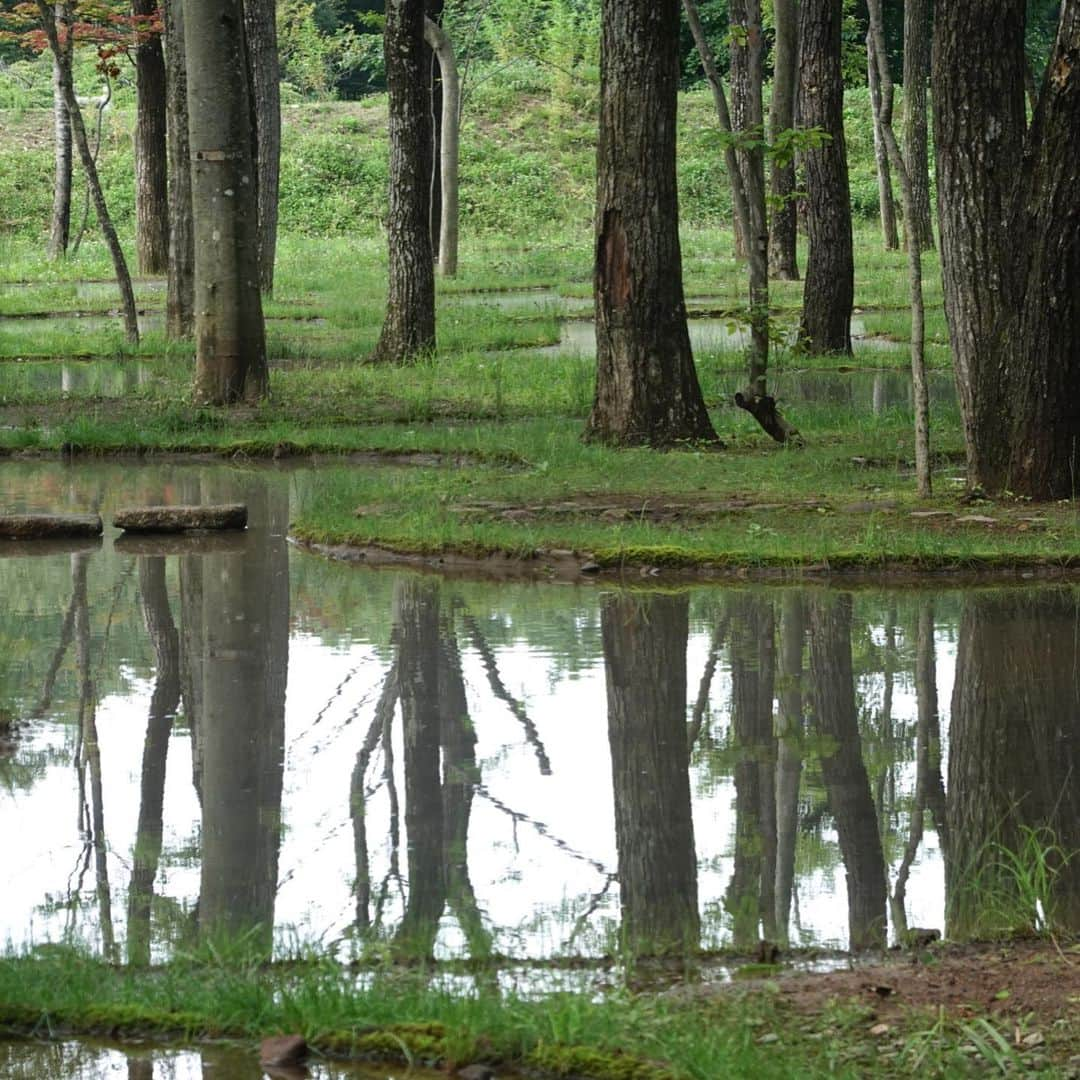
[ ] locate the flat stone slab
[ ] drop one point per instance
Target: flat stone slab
(176, 519)
(49, 526)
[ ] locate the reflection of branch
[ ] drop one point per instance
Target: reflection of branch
(516, 816)
(594, 903)
(702, 703)
(498, 687)
(58, 658)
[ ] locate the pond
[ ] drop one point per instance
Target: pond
(241, 737)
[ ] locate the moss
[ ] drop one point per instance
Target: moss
(398, 1042)
(579, 1061)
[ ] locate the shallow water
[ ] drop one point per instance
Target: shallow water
(235, 734)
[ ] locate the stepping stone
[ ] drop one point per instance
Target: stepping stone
(49, 526)
(976, 519)
(927, 515)
(174, 519)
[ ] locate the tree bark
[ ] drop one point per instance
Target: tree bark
(843, 771)
(62, 59)
(449, 143)
(151, 198)
(264, 97)
(886, 202)
(783, 230)
(915, 137)
(180, 291)
(645, 640)
(60, 223)
(408, 331)
(1009, 206)
(829, 292)
(647, 390)
(1014, 754)
(230, 359)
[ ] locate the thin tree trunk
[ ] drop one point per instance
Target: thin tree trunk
(449, 142)
(60, 227)
(886, 202)
(647, 389)
(433, 11)
(408, 331)
(264, 90)
(230, 359)
(879, 62)
(151, 198)
(783, 230)
(916, 153)
(180, 296)
(829, 293)
(93, 182)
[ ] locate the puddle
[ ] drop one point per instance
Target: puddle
(310, 752)
(861, 391)
(90, 1060)
(97, 378)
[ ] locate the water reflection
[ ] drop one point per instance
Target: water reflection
(247, 740)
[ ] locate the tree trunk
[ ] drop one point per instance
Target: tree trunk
(843, 772)
(151, 198)
(886, 202)
(879, 67)
(916, 153)
(645, 638)
(1010, 242)
(1014, 756)
(647, 390)
(230, 359)
(783, 231)
(829, 292)
(264, 97)
(408, 331)
(180, 295)
(163, 705)
(62, 58)
(433, 11)
(416, 624)
(60, 226)
(449, 142)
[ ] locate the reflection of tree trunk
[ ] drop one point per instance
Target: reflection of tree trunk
(384, 714)
(926, 690)
(1014, 751)
(163, 703)
(416, 619)
(66, 630)
(245, 627)
(645, 640)
(788, 755)
(460, 777)
(701, 704)
(750, 896)
(91, 752)
(843, 771)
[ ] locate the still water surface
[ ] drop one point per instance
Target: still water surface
(242, 735)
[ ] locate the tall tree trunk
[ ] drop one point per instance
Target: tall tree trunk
(264, 90)
(151, 198)
(163, 705)
(230, 358)
(916, 152)
(416, 624)
(879, 64)
(750, 897)
(647, 390)
(886, 202)
(829, 292)
(433, 10)
(60, 223)
(788, 756)
(1009, 206)
(645, 638)
(62, 58)
(1014, 755)
(783, 230)
(843, 770)
(180, 295)
(448, 141)
(408, 331)
(245, 635)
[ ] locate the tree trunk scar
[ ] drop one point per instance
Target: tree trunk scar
(615, 278)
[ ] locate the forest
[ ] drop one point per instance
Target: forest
(654, 629)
